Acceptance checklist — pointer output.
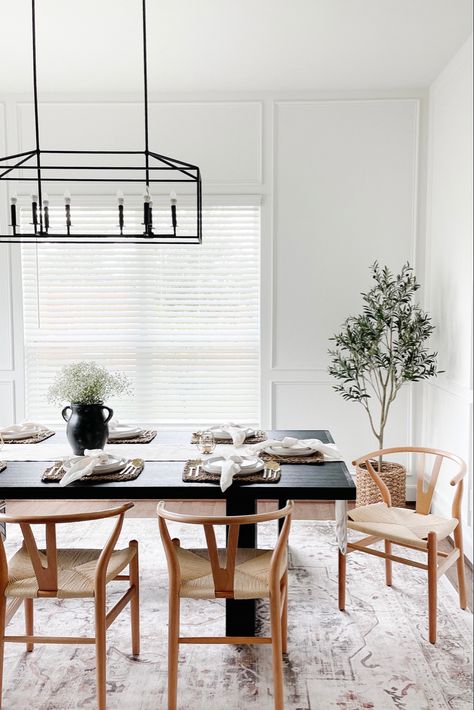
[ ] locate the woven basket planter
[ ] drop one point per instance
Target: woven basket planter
(393, 475)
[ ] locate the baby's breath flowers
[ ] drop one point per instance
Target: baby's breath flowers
(87, 383)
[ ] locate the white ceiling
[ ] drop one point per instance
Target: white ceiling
(232, 45)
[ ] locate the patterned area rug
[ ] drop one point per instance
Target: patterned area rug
(374, 656)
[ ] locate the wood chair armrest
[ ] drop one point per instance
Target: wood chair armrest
(385, 493)
(457, 498)
(459, 476)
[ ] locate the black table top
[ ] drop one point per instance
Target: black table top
(163, 479)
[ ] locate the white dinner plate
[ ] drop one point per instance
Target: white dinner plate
(114, 464)
(247, 467)
(292, 451)
(221, 434)
(19, 435)
(123, 431)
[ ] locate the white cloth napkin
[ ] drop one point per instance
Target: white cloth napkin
(114, 424)
(230, 466)
(341, 525)
(84, 466)
(330, 451)
(236, 432)
(23, 428)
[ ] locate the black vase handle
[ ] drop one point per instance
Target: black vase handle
(110, 413)
(63, 413)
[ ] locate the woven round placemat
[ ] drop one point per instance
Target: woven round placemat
(41, 436)
(254, 439)
(393, 475)
(54, 474)
(144, 437)
(205, 477)
(316, 458)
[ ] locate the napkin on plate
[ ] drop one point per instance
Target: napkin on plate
(236, 432)
(24, 427)
(230, 466)
(84, 466)
(115, 424)
(330, 451)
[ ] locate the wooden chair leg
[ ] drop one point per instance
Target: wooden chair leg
(284, 614)
(432, 584)
(29, 622)
(275, 603)
(342, 561)
(460, 567)
(388, 564)
(135, 600)
(173, 649)
(100, 648)
(3, 614)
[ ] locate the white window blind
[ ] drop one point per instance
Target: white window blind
(181, 321)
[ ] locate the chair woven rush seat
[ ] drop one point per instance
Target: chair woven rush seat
(251, 574)
(400, 525)
(76, 572)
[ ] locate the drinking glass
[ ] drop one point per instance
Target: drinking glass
(206, 442)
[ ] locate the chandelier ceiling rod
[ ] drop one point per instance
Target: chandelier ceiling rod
(145, 93)
(35, 101)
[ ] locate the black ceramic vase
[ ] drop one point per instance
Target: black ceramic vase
(87, 426)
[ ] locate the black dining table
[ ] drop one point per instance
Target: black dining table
(163, 480)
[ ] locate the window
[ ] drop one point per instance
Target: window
(182, 322)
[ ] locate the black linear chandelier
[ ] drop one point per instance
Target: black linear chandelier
(39, 166)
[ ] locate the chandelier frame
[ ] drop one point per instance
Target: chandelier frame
(31, 166)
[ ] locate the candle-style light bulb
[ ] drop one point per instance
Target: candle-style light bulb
(120, 200)
(67, 206)
(46, 211)
(13, 201)
(34, 210)
(147, 210)
(174, 202)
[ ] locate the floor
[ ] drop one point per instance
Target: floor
(373, 656)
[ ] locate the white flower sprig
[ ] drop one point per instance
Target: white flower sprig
(87, 383)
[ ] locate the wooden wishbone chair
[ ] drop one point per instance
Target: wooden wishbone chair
(230, 573)
(415, 529)
(67, 574)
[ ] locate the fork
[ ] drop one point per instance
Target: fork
(133, 464)
(195, 470)
(271, 470)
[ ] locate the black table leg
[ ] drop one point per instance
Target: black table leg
(240, 614)
(281, 504)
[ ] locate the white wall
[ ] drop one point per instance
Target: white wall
(447, 401)
(338, 181)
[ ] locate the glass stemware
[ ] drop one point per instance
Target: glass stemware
(206, 442)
